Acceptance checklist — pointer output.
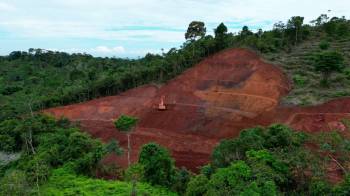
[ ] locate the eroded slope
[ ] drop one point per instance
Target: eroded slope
(215, 99)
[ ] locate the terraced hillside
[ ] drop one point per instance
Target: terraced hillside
(213, 100)
(298, 65)
(225, 93)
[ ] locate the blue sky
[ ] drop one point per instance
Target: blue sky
(134, 27)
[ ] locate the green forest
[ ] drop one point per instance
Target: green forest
(48, 156)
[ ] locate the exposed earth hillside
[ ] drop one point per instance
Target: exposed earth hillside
(216, 99)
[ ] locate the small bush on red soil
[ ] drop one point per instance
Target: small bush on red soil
(125, 123)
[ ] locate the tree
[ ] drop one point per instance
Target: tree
(279, 29)
(322, 19)
(197, 186)
(319, 187)
(278, 136)
(230, 150)
(126, 124)
(181, 179)
(227, 151)
(195, 29)
(220, 37)
(265, 166)
(14, 183)
(328, 62)
(343, 29)
(331, 26)
(158, 165)
(113, 147)
(260, 33)
(221, 30)
(343, 188)
(207, 170)
(337, 27)
(246, 32)
(324, 45)
(296, 23)
(239, 179)
(134, 174)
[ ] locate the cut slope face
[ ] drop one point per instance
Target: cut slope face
(215, 99)
(212, 98)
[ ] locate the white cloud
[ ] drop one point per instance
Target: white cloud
(84, 18)
(6, 7)
(93, 20)
(97, 50)
(105, 49)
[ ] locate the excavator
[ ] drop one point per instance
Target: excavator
(161, 105)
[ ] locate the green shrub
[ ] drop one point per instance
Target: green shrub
(320, 188)
(159, 168)
(134, 172)
(125, 123)
(207, 170)
(324, 45)
(347, 73)
(343, 188)
(197, 186)
(299, 80)
(14, 183)
(328, 62)
(181, 179)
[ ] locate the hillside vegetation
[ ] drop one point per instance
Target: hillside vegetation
(298, 64)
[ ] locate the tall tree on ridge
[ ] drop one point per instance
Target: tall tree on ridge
(196, 29)
(296, 23)
(220, 36)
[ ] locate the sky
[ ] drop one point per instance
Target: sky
(132, 28)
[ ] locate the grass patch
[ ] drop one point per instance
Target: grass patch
(65, 183)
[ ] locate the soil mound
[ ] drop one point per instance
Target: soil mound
(223, 94)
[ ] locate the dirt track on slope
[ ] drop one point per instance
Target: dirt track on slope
(215, 99)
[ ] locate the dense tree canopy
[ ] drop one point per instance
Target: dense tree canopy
(45, 144)
(271, 161)
(196, 29)
(158, 165)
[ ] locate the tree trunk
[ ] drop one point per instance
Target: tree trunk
(335, 160)
(133, 190)
(326, 76)
(161, 75)
(193, 50)
(296, 35)
(129, 149)
(29, 141)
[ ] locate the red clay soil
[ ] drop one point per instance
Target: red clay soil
(223, 94)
